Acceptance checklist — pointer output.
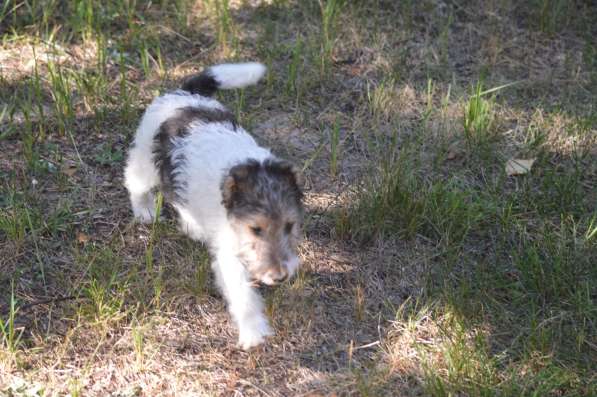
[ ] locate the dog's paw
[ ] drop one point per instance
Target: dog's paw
(254, 335)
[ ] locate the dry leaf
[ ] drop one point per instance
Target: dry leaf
(454, 151)
(453, 154)
(518, 166)
(69, 170)
(82, 238)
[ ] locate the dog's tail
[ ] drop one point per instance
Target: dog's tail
(224, 76)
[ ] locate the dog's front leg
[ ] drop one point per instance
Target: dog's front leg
(244, 303)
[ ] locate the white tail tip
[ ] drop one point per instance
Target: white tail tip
(237, 75)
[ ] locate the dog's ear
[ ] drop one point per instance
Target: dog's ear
(238, 182)
(288, 173)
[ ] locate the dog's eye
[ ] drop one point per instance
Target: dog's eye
(256, 230)
(288, 227)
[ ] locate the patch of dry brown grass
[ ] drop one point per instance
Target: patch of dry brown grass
(100, 318)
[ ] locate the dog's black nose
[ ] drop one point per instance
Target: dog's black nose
(278, 275)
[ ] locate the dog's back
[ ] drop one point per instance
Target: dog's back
(158, 156)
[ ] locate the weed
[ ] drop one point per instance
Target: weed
(199, 285)
(381, 99)
(125, 92)
(107, 155)
(181, 8)
(552, 14)
(387, 205)
(144, 55)
(14, 218)
(11, 335)
(154, 233)
(334, 143)
(479, 119)
(139, 345)
(75, 387)
(400, 202)
(62, 95)
(294, 70)
(330, 10)
(226, 31)
(359, 303)
(105, 300)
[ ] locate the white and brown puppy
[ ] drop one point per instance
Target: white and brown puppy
(235, 196)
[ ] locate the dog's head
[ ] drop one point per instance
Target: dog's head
(264, 205)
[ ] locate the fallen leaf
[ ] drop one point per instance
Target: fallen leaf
(518, 166)
(452, 154)
(455, 151)
(82, 238)
(69, 170)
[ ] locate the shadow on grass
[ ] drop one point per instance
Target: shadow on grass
(527, 286)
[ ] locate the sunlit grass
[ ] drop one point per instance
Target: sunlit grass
(427, 269)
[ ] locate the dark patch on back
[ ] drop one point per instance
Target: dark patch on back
(203, 84)
(178, 127)
(253, 187)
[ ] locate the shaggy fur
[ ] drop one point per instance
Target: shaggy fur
(230, 193)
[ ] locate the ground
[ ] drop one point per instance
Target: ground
(430, 265)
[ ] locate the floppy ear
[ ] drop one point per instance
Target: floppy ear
(289, 173)
(238, 182)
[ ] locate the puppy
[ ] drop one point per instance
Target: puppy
(238, 198)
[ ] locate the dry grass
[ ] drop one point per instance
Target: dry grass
(427, 271)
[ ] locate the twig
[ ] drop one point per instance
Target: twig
(367, 345)
(45, 301)
(247, 383)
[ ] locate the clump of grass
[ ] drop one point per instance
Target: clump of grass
(150, 62)
(479, 119)
(11, 336)
(400, 203)
(330, 10)
(294, 69)
(105, 300)
(199, 284)
(553, 15)
(181, 10)
(226, 35)
(139, 346)
(14, 218)
(61, 89)
(382, 98)
(388, 204)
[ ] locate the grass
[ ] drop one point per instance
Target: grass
(330, 11)
(427, 270)
(334, 148)
(11, 336)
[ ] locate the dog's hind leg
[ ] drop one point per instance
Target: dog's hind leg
(140, 178)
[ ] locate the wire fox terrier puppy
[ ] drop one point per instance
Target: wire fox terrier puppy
(239, 199)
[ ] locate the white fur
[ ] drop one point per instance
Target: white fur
(237, 75)
(210, 150)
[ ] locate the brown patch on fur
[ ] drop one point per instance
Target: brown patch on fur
(264, 204)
